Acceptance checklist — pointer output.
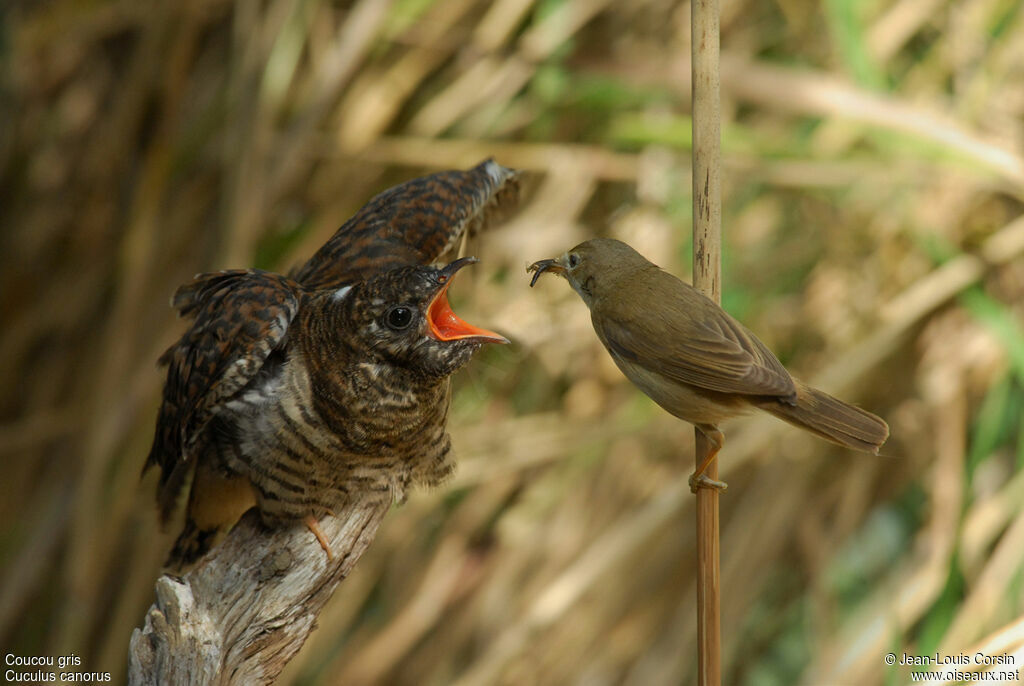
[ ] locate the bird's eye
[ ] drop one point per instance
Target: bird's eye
(574, 260)
(399, 318)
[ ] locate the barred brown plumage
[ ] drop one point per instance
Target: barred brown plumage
(413, 223)
(298, 395)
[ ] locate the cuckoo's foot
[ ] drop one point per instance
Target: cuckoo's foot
(311, 522)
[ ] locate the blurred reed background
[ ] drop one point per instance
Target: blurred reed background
(873, 186)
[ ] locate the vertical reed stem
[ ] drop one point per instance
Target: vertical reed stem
(707, 240)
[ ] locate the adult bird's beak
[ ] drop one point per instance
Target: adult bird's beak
(445, 325)
(541, 266)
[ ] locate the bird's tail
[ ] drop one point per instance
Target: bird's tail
(216, 501)
(831, 419)
(191, 545)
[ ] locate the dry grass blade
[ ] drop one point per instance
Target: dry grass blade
(616, 547)
(815, 93)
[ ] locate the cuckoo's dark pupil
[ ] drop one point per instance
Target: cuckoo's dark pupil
(574, 260)
(399, 318)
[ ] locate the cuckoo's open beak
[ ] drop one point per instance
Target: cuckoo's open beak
(445, 325)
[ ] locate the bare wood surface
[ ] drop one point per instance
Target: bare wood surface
(247, 608)
(707, 251)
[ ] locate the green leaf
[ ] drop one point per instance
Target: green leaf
(1001, 321)
(846, 23)
(936, 622)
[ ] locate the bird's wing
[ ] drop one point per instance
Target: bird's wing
(240, 317)
(414, 223)
(711, 351)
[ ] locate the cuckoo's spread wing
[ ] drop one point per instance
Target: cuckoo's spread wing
(240, 318)
(677, 335)
(414, 223)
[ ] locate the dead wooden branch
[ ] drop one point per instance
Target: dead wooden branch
(243, 613)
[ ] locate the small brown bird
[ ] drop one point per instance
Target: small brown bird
(692, 358)
(300, 395)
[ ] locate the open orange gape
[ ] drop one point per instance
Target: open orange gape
(445, 325)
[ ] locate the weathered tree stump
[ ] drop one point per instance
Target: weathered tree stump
(241, 614)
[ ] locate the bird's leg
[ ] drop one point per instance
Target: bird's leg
(716, 439)
(311, 522)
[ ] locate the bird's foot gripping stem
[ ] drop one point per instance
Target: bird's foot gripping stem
(698, 479)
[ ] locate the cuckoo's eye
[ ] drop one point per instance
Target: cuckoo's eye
(574, 260)
(399, 318)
